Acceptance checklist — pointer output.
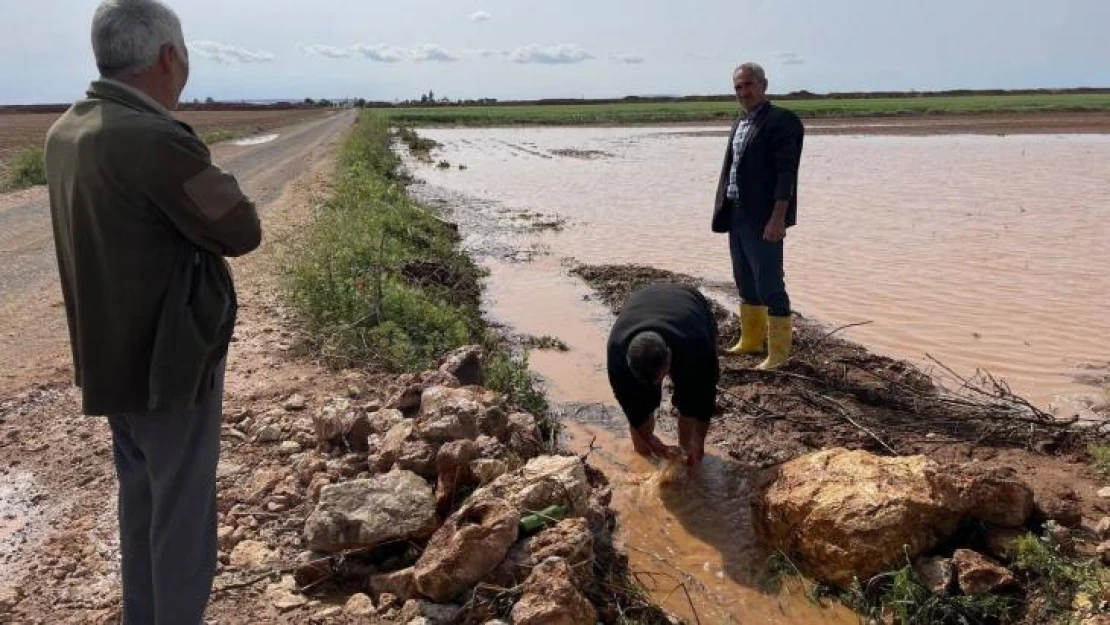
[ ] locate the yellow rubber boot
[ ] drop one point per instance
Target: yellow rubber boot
(753, 330)
(778, 343)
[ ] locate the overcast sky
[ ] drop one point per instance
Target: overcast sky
(395, 49)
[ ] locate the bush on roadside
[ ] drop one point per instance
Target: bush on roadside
(25, 169)
(349, 277)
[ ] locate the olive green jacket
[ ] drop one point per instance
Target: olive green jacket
(142, 220)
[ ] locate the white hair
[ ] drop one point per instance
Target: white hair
(756, 70)
(128, 36)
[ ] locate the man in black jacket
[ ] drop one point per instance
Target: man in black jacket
(665, 330)
(757, 200)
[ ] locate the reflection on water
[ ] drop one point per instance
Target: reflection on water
(985, 252)
(255, 140)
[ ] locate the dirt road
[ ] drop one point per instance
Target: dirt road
(33, 339)
(58, 542)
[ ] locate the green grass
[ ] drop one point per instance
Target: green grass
(25, 169)
(901, 597)
(689, 111)
(381, 281)
(219, 135)
(420, 147)
(1057, 578)
(224, 134)
(509, 375)
(349, 280)
(1100, 458)
(896, 597)
(546, 342)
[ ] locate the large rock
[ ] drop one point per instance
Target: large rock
(445, 427)
(544, 481)
(402, 448)
(997, 497)
(492, 421)
(977, 575)
(382, 421)
(453, 468)
(569, 539)
(338, 424)
(448, 414)
(366, 513)
(845, 514)
(523, 435)
(469, 546)
(465, 364)
(1061, 505)
(851, 514)
(408, 398)
(551, 598)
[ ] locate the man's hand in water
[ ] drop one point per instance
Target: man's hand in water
(691, 435)
(646, 443)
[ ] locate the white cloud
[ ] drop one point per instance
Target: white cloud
(330, 52)
(480, 16)
(383, 53)
(550, 55)
(484, 53)
(431, 52)
(630, 59)
(227, 54)
(380, 52)
(791, 58)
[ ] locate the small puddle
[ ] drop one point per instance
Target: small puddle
(256, 140)
(689, 537)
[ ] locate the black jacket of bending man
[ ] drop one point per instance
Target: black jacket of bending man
(684, 319)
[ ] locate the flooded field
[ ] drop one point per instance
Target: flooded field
(984, 252)
(981, 251)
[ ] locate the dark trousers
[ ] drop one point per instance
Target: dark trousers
(757, 267)
(166, 465)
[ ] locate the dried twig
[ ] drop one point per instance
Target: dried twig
(591, 448)
(821, 341)
(843, 412)
(760, 411)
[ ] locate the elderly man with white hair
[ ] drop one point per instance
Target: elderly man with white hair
(142, 222)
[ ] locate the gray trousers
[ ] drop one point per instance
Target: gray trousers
(166, 465)
(757, 267)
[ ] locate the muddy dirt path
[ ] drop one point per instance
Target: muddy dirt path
(58, 543)
(33, 339)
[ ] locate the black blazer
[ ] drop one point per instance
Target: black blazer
(768, 169)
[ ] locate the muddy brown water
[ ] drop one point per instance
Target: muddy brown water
(982, 251)
(985, 252)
